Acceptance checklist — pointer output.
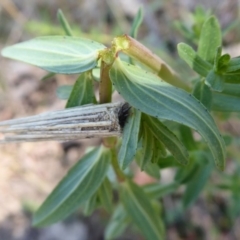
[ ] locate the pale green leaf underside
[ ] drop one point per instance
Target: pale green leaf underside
(58, 54)
(81, 182)
(146, 92)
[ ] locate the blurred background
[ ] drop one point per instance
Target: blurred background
(29, 171)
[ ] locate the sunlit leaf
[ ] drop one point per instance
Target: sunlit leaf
(199, 65)
(210, 39)
(81, 182)
(141, 211)
(146, 92)
(58, 54)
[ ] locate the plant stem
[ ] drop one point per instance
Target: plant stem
(120, 175)
(105, 87)
(136, 50)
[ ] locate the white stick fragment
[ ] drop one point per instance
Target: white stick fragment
(88, 121)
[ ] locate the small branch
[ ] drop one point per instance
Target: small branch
(120, 175)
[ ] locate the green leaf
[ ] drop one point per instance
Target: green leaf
(141, 211)
(57, 54)
(171, 142)
(215, 81)
(186, 137)
(81, 182)
(233, 65)
(198, 180)
(185, 174)
(158, 151)
(129, 139)
(48, 76)
(199, 65)
(90, 205)
(210, 39)
(65, 25)
(117, 224)
(146, 92)
(136, 23)
(203, 93)
(225, 102)
(231, 89)
(105, 195)
(168, 162)
(157, 190)
(222, 63)
(146, 148)
(144, 161)
(82, 92)
(63, 92)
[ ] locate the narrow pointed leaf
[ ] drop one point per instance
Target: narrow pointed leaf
(225, 103)
(129, 139)
(105, 195)
(140, 209)
(48, 76)
(159, 150)
(146, 148)
(231, 89)
(146, 92)
(233, 65)
(81, 182)
(203, 93)
(90, 205)
(117, 224)
(82, 92)
(215, 81)
(199, 65)
(222, 63)
(157, 190)
(186, 136)
(210, 39)
(136, 23)
(171, 142)
(65, 25)
(143, 159)
(198, 181)
(63, 92)
(57, 54)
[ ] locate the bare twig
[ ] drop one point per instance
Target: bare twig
(88, 121)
